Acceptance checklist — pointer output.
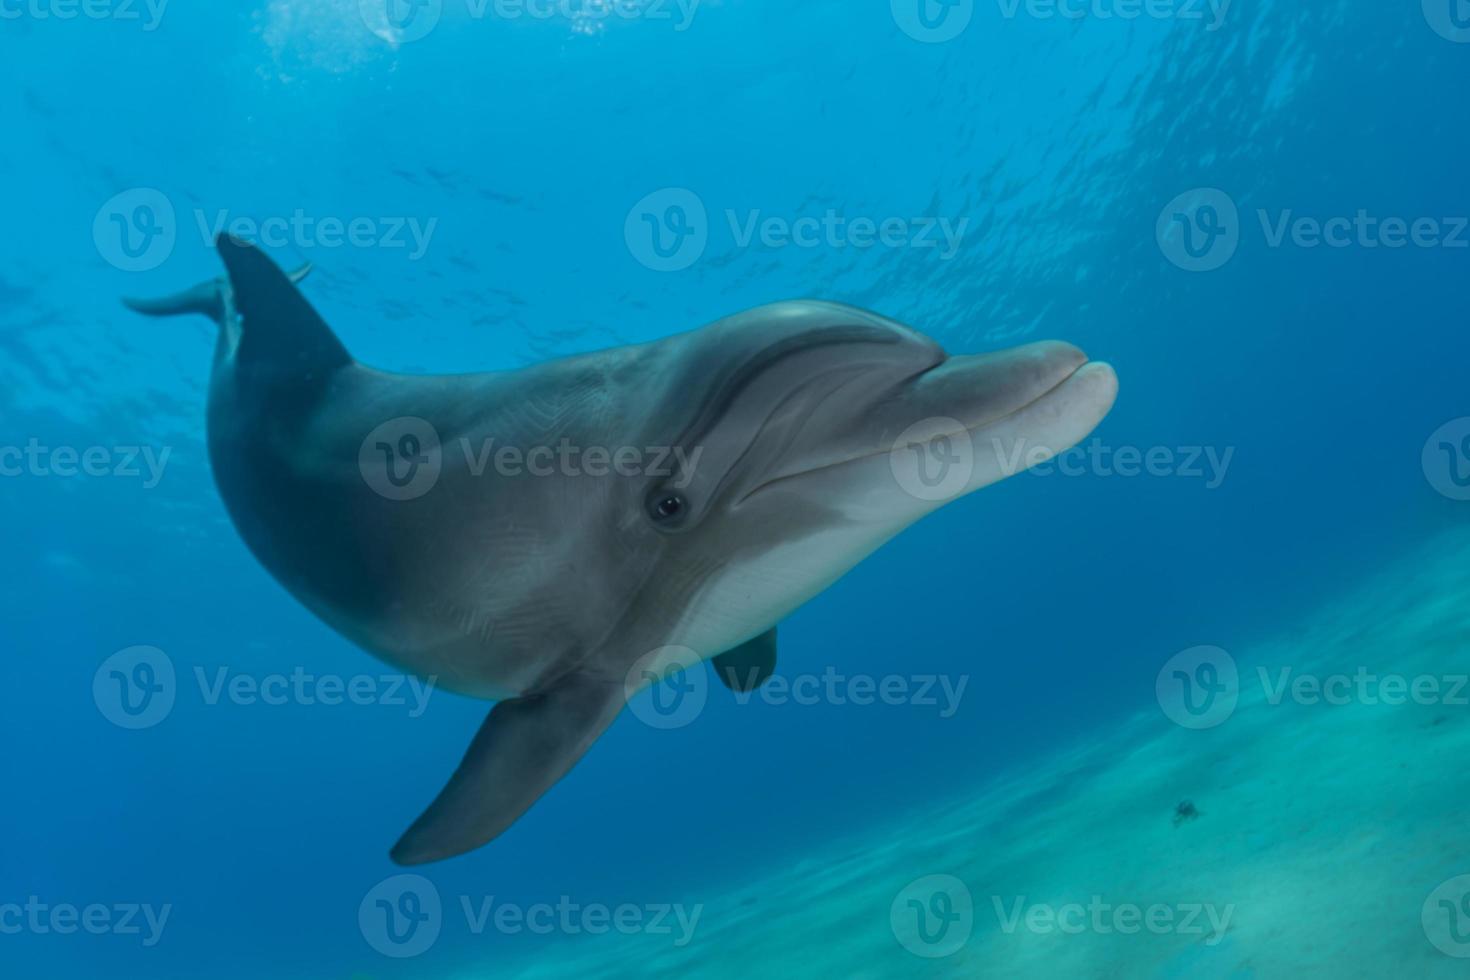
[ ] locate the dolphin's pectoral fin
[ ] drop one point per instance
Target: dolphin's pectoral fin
(524, 747)
(749, 665)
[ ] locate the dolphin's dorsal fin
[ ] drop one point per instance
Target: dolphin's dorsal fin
(524, 747)
(278, 326)
(749, 665)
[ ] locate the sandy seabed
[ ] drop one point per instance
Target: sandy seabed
(1329, 828)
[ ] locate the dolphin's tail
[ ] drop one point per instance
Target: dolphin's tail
(263, 318)
(211, 299)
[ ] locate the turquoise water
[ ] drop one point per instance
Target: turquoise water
(1257, 215)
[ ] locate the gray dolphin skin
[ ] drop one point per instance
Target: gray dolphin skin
(742, 468)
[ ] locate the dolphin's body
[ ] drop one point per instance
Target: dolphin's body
(542, 592)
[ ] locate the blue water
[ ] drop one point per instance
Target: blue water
(527, 142)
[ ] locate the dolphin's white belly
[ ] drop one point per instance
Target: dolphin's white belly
(749, 596)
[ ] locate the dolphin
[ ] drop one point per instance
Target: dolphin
(558, 537)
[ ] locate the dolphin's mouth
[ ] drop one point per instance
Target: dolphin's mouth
(1016, 408)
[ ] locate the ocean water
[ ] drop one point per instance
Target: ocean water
(1186, 705)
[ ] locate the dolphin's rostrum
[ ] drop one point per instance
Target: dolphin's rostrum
(808, 433)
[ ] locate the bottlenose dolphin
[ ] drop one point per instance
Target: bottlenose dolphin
(542, 586)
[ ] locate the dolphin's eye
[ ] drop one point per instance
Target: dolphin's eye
(665, 508)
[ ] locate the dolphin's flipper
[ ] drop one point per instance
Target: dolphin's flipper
(749, 665)
(525, 746)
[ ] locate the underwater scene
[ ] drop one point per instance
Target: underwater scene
(726, 488)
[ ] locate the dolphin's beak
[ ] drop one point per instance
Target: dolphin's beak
(965, 423)
(1016, 408)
